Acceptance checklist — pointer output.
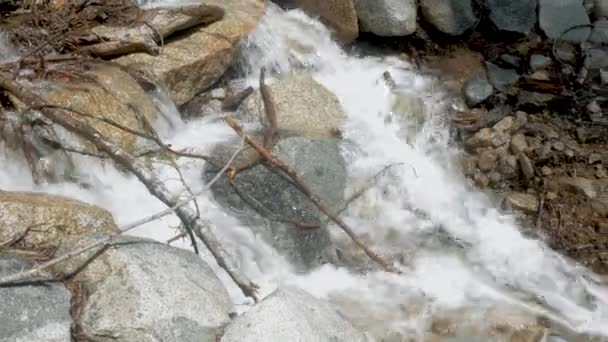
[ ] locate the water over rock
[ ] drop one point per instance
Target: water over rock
(304, 107)
(35, 312)
(387, 17)
(43, 220)
(513, 15)
(142, 290)
(290, 314)
(276, 209)
(194, 61)
(452, 17)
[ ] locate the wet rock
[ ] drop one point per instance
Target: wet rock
(273, 206)
(557, 16)
(522, 201)
(290, 314)
(339, 15)
(504, 125)
(513, 15)
(452, 17)
(476, 90)
(487, 160)
(303, 105)
(519, 144)
(191, 63)
(599, 34)
(469, 166)
(538, 62)
(43, 220)
(142, 290)
(486, 137)
(387, 17)
(577, 185)
(527, 169)
(33, 312)
(501, 78)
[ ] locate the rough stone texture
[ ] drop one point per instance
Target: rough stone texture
(487, 160)
(518, 143)
(33, 312)
(387, 17)
(340, 15)
(303, 105)
(501, 78)
(290, 314)
(504, 125)
(557, 16)
(477, 90)
(577, 185)
(538, 62)
(523, 201)
(599, 34)
(600, 8)
(527, 169)
(597, 58)
(272, 195)
(192, 63)
(513, 15)
(114, 95)
(140, 290)
(452, 17)
(50, 218)
(486, 137)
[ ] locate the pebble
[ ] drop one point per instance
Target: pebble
(495, 178)
(501, 78)
(482, 180)
(546, 171)
(522, 201)
(559, 146)
(526, 166)
(538, 62)
(593, 107)
(601, 173)
(504, 125)
(518, 144)
(551, 195)
(477, 90)
(595, 158)
(487, 160)
(540, 75)
(569, 153)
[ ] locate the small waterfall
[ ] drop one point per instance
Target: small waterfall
(456, 250)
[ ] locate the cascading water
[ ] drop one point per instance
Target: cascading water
(454, 248)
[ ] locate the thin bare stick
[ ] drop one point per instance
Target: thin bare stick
(266, 155)
(271, 132)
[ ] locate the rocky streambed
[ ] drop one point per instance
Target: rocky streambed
(468, 150)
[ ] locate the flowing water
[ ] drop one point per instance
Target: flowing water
(456, 250)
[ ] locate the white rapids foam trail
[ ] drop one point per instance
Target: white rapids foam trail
(457, 249)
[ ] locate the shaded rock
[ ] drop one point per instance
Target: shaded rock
(557, 16)
(527, 169)
(452, 17)
(577, 185)
(518, 144)
(513, 15)
(533, 99)
(540, 75)
(303, 106)
(520, 121)
(191, 63)
(273, 206)
(45, 220)
(522, 201)
(290, 314)
(595, 158)
(511, 60)
(600, 8)
(387, 17)
(566, 53)
(495, 178)
(476, 90)
(487, 160)
(597, 58)
(33, 312)
(507, 166)
(538, 62)
(501, 78)
(599, 34)
(339, 15)
(142, 290)
(486, 137)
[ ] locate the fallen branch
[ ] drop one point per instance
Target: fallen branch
(153, 184)
(267, 156)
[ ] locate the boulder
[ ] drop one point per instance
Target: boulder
(192, 62)
(513, 15)
(339, 15)
(290, 314)
(277, 210)
(44, 220)
(36, 312)
(557, 16)
(303, 105)
(452, 17)
(142, 290)
(523, 201)
(387, 17)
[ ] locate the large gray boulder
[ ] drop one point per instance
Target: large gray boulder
(387, 17)
(269, 202)
(141, 290)
(513, 15)
(452, 17)
(304, 106)
(37, 312)
(290, 314)
(558, 16)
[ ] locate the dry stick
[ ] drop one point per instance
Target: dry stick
(25, 275)
(266, 155)
(271, 133)
(153, 184)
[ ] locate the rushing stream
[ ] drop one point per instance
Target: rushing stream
(456, 250)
